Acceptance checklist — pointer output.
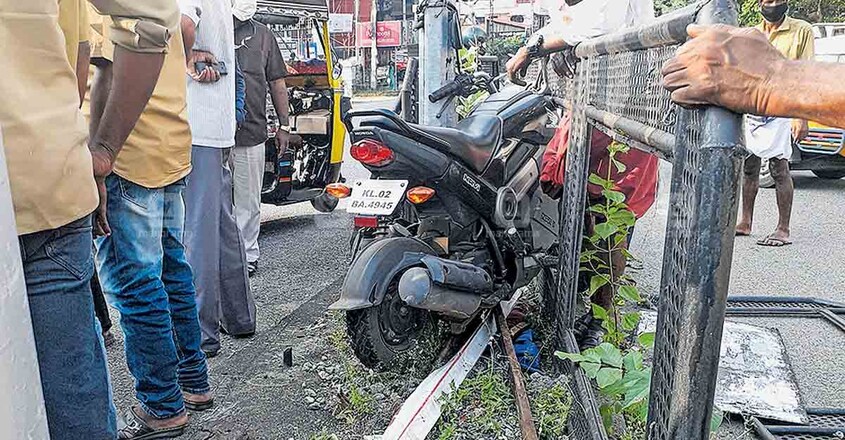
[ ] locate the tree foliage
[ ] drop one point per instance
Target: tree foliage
(814, 11)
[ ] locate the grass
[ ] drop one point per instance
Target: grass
(477, 409)
(551, 411)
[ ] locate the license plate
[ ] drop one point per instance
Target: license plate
(376, 197)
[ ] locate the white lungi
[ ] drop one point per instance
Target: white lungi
(768, 138)
(248, 170)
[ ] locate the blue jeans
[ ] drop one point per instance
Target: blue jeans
(146, 277)
(57, 266)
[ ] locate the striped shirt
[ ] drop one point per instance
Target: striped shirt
(211, 106)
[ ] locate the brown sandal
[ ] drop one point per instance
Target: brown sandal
(138, 429)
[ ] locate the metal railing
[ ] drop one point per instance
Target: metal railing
(618, 90)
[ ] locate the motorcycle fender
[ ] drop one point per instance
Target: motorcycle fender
(375, 268)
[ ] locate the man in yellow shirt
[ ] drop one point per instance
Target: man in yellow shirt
(769, 138)
(142, 264)
(53, 172)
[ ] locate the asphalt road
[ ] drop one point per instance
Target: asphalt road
(304, 253)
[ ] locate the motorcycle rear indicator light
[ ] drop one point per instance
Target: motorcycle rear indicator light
(372, 152)
(338, 190)
(365, 221)
(420, 194)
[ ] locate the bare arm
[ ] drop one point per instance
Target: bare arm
(100, 90)
(279, 95)
(739, 69)
(82, 65)
(189, 36)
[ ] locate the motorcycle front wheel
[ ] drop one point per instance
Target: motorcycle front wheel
(393, 335)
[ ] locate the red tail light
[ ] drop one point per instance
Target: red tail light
(372, 152)
(365, 222)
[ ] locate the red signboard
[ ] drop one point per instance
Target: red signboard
(389, 34)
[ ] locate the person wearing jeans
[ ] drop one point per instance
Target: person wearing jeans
(142, 264)
(54, 171)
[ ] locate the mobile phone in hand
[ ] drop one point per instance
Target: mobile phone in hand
(220, 67)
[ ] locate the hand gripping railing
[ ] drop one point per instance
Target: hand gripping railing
(618, 90)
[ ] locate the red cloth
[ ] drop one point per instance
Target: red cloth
(638, 182)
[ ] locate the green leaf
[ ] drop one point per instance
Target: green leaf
(613, 196)
(610, 355)
(597, 282)
(630, 321)
(599, 312)
(716, 419)
(592, 355)
(638, 384)
(591, 369)
(620, 167)
(630, 293)
(574, 357)
(608, 376)
(605, 230)
(633, 360)
(598, 209)
(595, 179)
(623, 217)
(646, 340)
(607, 412)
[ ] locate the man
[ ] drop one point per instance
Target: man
(55, 174)
(769, 138)
(142, 263)
(213, 241)
(575, 22)
(740, 70)
(263, 66)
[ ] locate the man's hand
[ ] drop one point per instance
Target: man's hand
(517, 63)
(800, 129)
(103, 160)
(282, 142)
(724, 66)
(208, 75)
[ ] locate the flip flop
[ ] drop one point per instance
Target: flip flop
(137, 429)
(772, 241)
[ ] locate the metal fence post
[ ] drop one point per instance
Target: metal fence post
(22, 416)
(694, 288)
(437, 61)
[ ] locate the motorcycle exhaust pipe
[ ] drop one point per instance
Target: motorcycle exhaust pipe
(449, 287)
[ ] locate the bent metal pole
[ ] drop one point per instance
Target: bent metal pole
(438, 59)
(20, 380)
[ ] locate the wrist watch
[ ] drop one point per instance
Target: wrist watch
(535, 46)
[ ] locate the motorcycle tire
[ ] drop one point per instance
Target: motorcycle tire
(413, 350)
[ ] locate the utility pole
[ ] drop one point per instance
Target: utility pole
(437, 61)
(374, 46)
(355, 41)
(23, 414)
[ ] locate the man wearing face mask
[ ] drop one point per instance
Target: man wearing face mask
(769, 138)
(264, 69)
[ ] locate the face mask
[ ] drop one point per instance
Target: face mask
(774, 14)
(243, 10)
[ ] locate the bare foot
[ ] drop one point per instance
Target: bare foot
(779, 238)
(743, 229)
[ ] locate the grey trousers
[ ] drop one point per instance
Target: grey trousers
(215, 249)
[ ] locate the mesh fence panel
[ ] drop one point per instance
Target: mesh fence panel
(619, 80)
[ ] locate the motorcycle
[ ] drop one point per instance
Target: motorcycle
(452, 222)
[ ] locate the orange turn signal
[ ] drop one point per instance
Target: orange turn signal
(420, 194)
(338, 190)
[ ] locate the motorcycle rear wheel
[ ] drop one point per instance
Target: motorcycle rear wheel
(393, 335)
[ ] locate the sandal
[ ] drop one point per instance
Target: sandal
(772, 241)
(138, 429)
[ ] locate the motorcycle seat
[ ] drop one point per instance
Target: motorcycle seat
(473, 140)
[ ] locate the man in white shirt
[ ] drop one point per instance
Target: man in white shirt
(213, 241)
(574, 21)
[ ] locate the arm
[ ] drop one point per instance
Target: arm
(141, 33)
(82, 65)
(100, 90)
(189, 36)
(739, 69)
(279, 95)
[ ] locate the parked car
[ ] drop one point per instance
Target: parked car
(822, 151)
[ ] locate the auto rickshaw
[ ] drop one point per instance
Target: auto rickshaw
(317, 106)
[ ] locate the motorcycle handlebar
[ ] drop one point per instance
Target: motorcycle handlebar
(448, 90)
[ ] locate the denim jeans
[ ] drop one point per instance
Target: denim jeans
(146, 277)
(57, 266)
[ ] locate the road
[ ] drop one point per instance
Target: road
(305, 253)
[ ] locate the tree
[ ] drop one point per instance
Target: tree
(814, 11)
